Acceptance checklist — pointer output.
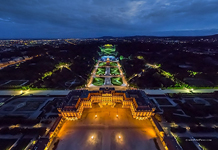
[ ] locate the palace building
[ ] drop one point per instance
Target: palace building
(135, 100)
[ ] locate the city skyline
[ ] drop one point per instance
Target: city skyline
(94, 18)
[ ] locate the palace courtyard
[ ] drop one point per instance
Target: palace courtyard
(107, 129)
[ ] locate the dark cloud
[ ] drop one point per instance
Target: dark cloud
(90, 18)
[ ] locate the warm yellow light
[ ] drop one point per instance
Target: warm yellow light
(151, 132)
(92, 137)
(117, 116)
(27, 91)
(119, 137)
(95, 116)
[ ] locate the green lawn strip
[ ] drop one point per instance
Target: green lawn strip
(98, 81)
(115, 71)
(102, 64)
(116, 81)
(113, 64)
(100, 71)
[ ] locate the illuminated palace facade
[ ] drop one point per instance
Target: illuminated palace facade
(135, 100)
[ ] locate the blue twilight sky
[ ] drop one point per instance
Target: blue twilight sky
(95, 18)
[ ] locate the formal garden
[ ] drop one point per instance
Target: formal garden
(113, 64)
(114, 71)
(117, 81)
(100, 71)
(98, 81)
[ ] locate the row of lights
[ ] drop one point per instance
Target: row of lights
(92, 137)
(24, 91)
(97, 116)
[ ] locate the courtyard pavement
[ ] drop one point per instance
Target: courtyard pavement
(101, 129)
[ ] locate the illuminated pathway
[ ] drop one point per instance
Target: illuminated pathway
(107, 77)
(65, 92)
(122, 75)
(107, 71)
(107, 81)
(113, 76)
(16, 62)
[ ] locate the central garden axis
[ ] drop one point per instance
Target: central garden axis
(107, 71)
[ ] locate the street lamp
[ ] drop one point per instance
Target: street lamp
(95, 116)
(117, 116)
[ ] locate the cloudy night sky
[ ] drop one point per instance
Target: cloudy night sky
(96, 18)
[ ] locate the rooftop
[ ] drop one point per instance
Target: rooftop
(41, 144)
(139, 96)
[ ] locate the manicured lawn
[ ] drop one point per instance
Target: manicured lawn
(102, 64)
(98, 81)
(114, 71)
(117, 81)
(113, 64)
(100, 71)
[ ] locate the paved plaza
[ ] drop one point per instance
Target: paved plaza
(107, 129)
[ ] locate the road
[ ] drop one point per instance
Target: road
(94, 88)
(34, 92)
(159, 92)
(16, 62)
